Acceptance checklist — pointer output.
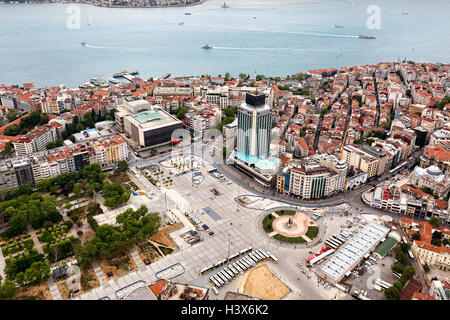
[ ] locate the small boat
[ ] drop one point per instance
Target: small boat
(404, 13)
(254, 17)
(134, 72)
(338, 26)
(180, 23)
(83, 44)
(113, 81)
(206, 46)
(187, 13)
(367, 36)
(225, 5)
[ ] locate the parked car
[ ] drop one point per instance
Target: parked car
(211, 233)
(205, 227)
(147, 262)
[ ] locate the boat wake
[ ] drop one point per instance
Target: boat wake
(277, 49)
(97, 47)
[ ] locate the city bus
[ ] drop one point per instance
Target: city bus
(396, 274)
(233, 269)
(251, 263)
(238, 269)
(223, 277)
(241, 264)
(234, 256)
(259, 255)
(252, 258)
(245, 263)
(272, 257)
(335, 239)
(383, 284)
(263, 253)
(331, 240)
(230, 273)
(333, 246)
(226, 275)
(340, 238)
(206, 270)
(218, 280)
(215, 283)
(246, 250)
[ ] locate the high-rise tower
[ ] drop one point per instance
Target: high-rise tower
(254, 126)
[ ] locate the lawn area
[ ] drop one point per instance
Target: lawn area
(285, 212)
(267, 223)
(312, 232)
(289, 240)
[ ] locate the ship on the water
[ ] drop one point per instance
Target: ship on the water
(367, 36)
(83, 44)
(121, 74)
(338, 26)
(99, 82)
(206, 46)
(113, 81)
(134, 72)
(404, 13)
(225, 5)
(187, 13)
(180, 23)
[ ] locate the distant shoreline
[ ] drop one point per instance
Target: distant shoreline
(106, 6)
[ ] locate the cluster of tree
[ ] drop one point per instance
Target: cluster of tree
(303, 131)
(377, 134)
(244, 76)
(61, 249)
(88, 179)
(7, 290)
(438, 239)
(122, 166)
(110, 241)
(401, 266)
(182, 112)
(9, 147)
(326, 74)
(27, 123)
(434, 221)
(230, 115)
(54, 144)
(89, 120)
(35, 209)
(115, 194)
(29, 268)
(12, 115)
(301, 92)
(440, 105)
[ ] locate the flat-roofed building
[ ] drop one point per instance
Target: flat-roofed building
(151, 128)
(346, 259)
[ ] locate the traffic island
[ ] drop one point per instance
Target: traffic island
(290, 226)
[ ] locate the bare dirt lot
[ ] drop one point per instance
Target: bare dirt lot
(118, 266)
(162, 236)
(261, 282)
(36, 292)
(88, 279)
